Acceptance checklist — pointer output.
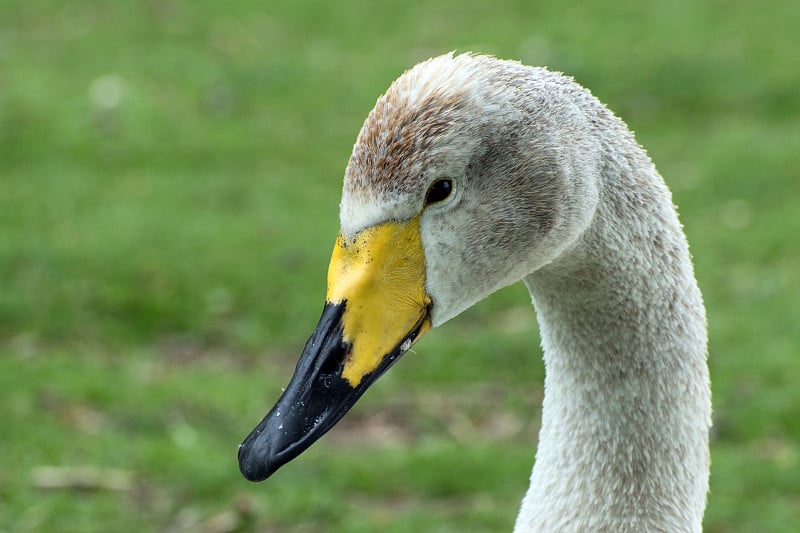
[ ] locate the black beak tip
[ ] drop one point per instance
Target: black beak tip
(316, 398)
(253, 467)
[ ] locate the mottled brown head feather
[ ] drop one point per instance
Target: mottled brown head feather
(397, 135)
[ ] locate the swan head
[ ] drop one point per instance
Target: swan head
(469, 174)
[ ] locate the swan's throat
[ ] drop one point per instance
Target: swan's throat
(625, 416)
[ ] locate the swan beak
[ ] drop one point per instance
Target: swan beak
(376, 308)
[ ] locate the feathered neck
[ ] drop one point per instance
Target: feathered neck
(624, 438)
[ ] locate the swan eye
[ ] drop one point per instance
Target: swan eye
(440, 190)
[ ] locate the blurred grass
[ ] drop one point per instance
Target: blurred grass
(169, 181)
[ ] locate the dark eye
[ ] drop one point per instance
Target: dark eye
(440, 189)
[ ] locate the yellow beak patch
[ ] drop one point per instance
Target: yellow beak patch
(380, 273)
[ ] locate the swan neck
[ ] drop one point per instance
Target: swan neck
(624, 439)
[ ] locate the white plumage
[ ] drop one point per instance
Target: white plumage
(551, 188)
(536, 181)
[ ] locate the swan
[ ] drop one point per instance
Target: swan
(472, 173)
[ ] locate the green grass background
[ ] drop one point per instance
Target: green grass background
(169, 182)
